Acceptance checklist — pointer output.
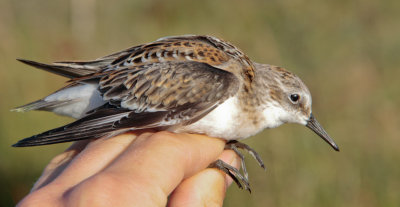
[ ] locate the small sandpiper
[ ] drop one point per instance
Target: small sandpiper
(191, 83)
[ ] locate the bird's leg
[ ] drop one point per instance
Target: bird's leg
(233, 173)
(241, 156)
(235, 145)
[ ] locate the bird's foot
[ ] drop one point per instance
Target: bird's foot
(233, 172)
(236, 145)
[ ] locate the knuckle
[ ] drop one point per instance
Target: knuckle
(173, 143)
(164, 135)
(165, 139)
(96, 191)
(109, 189)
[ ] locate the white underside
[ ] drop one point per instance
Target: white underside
(226, 121)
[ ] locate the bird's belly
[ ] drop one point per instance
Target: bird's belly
(227, 121)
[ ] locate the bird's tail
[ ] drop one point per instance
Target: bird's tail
(93, 126)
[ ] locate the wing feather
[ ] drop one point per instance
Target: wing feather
(134, 109)
(181, 83)
(170, 82)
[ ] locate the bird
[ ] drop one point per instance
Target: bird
(183, 84)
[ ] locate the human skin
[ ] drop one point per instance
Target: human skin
(136, 169)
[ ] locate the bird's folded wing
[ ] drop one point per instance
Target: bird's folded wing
(155, 95)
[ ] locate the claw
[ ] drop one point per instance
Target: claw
(235, 144)
(242, 163)
(233, 173)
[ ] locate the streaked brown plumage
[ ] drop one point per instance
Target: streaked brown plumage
(191, 83)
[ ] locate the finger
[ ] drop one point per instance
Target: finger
(42, 196)
(75, 168)
(149, 170)
(58, 164)
(96, 156)
(207, 187)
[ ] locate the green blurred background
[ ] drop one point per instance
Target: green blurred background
(347, 52)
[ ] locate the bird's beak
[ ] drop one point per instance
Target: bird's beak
(314, 125)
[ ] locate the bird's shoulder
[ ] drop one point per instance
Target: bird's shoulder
(199, 48)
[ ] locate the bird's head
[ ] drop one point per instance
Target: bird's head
(289, 101)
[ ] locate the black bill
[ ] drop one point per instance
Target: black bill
(314, 125)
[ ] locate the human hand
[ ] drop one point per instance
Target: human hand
(136, 169)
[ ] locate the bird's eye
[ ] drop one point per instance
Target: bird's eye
(294, 98)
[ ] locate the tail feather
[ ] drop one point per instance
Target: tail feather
(94, 64)
(46, 138)
(41, 105)
(103, 122)
(90, 127)
(66, 69)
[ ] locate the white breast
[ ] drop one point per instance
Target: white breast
(227, 121)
